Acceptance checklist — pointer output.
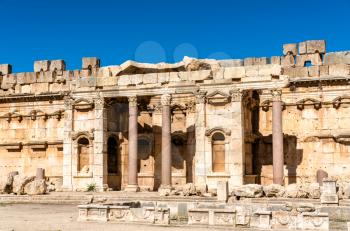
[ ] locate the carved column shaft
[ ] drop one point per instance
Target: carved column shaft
(277, 138)
(132, 146)
(166, 141)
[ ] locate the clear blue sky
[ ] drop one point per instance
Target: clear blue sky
(154, 30)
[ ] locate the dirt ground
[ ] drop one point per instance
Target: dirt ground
(30, 217)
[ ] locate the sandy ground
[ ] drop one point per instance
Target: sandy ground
(64, 217)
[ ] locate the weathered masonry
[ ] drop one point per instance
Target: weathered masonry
(151, 126)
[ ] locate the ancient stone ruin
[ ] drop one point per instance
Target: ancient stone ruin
(159, 127)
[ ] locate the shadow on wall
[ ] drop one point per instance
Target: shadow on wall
(262, 158)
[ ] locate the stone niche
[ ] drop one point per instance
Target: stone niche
(146, 163)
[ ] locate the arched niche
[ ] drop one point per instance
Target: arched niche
(84, 154)
(218, 151)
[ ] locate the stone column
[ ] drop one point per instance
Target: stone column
(99, 144)
(67, 145)
(132, 146)
(166, 141)
(200, 126)
(277, 138)
(236, 157)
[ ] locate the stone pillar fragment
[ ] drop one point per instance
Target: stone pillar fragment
(40, 174)
(166, 141)
(132, 146)
(277, 138)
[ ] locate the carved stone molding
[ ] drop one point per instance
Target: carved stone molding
(218, 97)
(276, 94)
(68, 102)
(308, 101)
(83, 104)
(165, 99)
(132, 101)
(209, 132)
(12, 146)
(88, 134)
(37, 144)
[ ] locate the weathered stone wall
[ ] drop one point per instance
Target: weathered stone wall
(54, 108)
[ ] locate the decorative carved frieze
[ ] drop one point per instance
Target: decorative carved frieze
(83, 104)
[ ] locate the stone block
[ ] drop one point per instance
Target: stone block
(199, 75)
(261, 220)
(231, 62)
(290, 48)
(25, 78)
(5, 69)
(57, 65)
(270, 69)
(288, 61)
(276, 60)
(198, 216)
(302, 48)
(42, 65)
(222, 217)
(163, 77)
(301, 72)
(37, 88)
(339, 69)
(314, 71)
(124, 80)
(329, 192)
(150, 78)
(324, 70)
(315, 60)
(90, 63)
(337, 58)
(313, 221)
(234, 72)
(316, 46)
(248, 61)
(251, 71)
(222, 190)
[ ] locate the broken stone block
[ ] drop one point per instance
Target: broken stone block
(316, 46)
(36, 187)
(222, 190)
(248, 61)
(58, 65)
(337, 58)
(339, 69)
(5, 69)
(314, 191)
(19, 182)
(314, 59)
(89, 63)
(249, 191)
(273, 190)
(6, 184)
(301, 72)
(189, 189)
(261, 219)
(261, 61)
(42, 65)
(290, 49)
(295, 191)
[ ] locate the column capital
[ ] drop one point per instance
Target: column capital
(276, 94)
(132, 101)
(165, 99)
(99, 102)
(200, 96)
(237, 95)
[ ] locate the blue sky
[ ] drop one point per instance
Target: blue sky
(154, 30)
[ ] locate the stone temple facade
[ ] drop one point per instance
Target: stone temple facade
(149, 126)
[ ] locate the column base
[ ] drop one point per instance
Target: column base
(132, 188)
(164, 190)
